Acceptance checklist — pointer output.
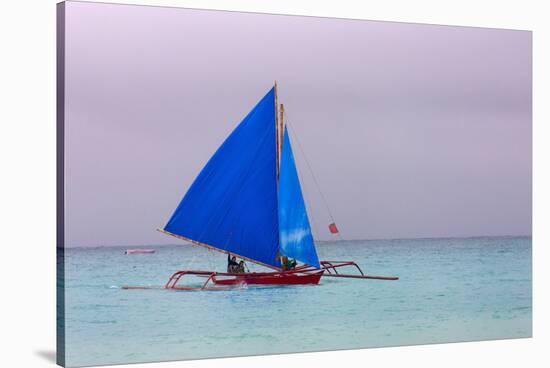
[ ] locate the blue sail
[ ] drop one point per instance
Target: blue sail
(232, 204)
(294, 230)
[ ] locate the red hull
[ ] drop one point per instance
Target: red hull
(274, 279)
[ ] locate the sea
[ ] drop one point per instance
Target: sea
(449, 290)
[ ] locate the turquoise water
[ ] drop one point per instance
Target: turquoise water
(449, 290)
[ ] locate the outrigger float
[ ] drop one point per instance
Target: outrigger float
(247, 202)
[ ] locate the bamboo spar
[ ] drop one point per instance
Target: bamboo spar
(196, 242)
(281, 127)
(277, 138)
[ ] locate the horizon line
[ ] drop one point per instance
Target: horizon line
(320, 240)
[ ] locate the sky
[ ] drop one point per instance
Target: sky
(411, 130)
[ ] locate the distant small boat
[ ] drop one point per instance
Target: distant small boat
(139, 251)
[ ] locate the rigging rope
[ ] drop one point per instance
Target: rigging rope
(307, 198)
(324, 200)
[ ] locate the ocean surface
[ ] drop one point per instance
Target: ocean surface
(449, 290)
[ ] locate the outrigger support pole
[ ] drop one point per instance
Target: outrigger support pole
(327, 269)
(331, 268)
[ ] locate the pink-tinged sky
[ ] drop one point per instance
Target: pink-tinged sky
(412, 130)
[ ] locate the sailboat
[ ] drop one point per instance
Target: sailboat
(247, 202)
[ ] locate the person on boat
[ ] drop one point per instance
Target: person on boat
(241, 267)
(232, 264)
(288, 263)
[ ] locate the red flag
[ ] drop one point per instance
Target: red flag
(332, 228)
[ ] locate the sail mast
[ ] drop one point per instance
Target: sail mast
(277, 135)
(279, 129)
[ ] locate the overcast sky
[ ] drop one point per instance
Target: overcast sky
(411, 130)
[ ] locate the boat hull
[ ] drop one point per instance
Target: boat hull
(139, 251)
(275, 279)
